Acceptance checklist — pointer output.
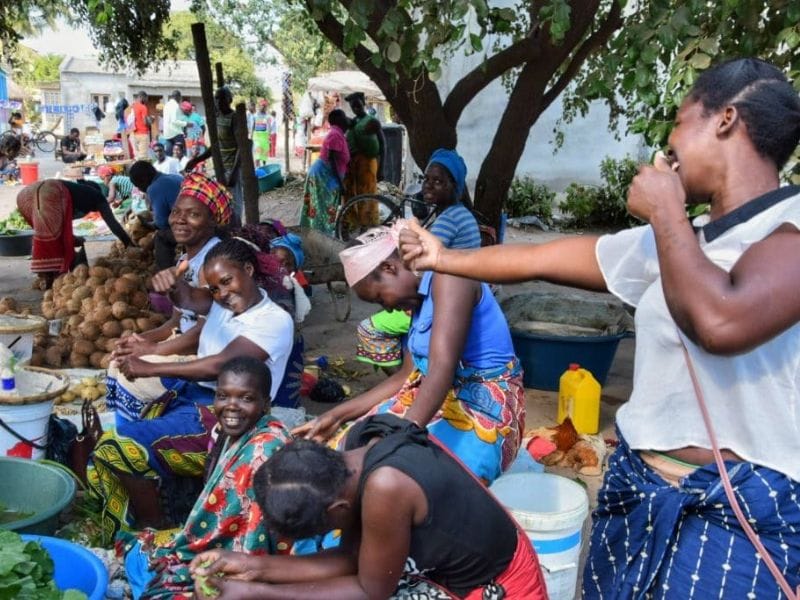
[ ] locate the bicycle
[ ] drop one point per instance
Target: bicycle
(45, 141)
(350, 222)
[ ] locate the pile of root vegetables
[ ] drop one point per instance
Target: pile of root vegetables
(95, 307)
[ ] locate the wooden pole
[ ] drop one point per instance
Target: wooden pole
(286, 141)
(220, 75)
(207, 90)
(247, 168)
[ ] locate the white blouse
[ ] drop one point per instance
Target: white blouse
(266, 324)
(752, 397)
(192, 277)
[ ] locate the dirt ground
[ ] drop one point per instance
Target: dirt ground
(324, 335)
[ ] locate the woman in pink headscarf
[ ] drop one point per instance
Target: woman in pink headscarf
(460, 377)
(118, 188)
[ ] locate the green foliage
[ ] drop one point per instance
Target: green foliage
(305, 51)
(526, 197)
(26, 571)
(649, 65)
(604, 206)
(237, 58)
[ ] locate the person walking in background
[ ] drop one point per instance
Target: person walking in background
(261, 146)
(273, 134)
(251, 119)
(195, 130)
(71, 147)
(322, 195)
(119, 112)
(174, 122)
(141, 126)
(367, 147)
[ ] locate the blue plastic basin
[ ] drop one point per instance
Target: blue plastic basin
(34, 487)
(76, 567)
(544, 357)
(269, 177)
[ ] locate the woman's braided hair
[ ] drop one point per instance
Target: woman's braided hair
(295, 487)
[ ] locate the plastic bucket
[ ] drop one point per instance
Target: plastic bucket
(29, 172)
(75, 567)
(545, 357)
(33, 487)
(28, 421)
(551, 509)
(269, 177)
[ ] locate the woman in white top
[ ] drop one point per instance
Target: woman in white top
(726, 288)
(172, 437)
(201, 208)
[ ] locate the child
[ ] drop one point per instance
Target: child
(226, 514)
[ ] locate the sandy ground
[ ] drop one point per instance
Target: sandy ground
(326, 336)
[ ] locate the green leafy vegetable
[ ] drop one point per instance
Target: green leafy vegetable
(14, 223)
(26, 571)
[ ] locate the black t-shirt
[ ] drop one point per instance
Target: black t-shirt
(69, 144)
(468, 539)
(87, 197)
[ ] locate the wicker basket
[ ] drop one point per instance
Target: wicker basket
(11, 323)
(36, 385)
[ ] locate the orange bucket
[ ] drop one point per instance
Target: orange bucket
(29, 171)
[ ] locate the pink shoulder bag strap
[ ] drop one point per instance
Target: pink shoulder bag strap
(726, 483)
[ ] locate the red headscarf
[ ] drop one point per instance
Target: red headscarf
(207, 191)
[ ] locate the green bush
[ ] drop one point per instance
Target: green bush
(606, 205)
(526, 197)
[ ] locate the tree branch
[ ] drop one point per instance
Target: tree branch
(473, 82)
(612, 22)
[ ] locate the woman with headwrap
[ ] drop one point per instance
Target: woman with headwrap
(324, 187)
(118, 188)
(261, 134)
(50, 206)
(381, 336)
(170, 436)
(460, 377)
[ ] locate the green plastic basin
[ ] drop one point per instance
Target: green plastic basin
(33, 487)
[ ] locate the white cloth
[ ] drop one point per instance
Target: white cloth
(266, 324)
(169, 166)
(192, 277)
(302, 305)
(174, 120)
(752, 397)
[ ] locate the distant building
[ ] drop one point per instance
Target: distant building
(85, 82)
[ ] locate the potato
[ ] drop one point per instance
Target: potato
(115, 297)
(140, 299)
(73, 305)
(78, 360)
(84, 347)
(52, 357)
(62, 313)
(48, 310)
(90, 330)
(81, 272)
(111, 329)
(69, 279)
(87, 306)
(48, 296)
(96, 359)
(125, 285)
(67, 290)
(82, 292)
(38, 358)
(8, 304)
(129, 324)
(104, 364)
(144, 324)
(120, 310)
(74, 322)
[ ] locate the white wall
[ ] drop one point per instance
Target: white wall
(587, 140)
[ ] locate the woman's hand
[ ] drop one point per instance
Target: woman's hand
(235, 565)
(419, 248)
(320, 429)
(133, 367)
(133, 345)
(164, 281)
(655, 189)
(229, 589)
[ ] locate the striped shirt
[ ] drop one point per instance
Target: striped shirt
(123, 186)
(457, 228)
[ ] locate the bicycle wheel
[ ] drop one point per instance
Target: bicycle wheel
(45, 141)
(362, 212)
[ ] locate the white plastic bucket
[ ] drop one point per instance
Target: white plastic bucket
(551, 509)
(17, 331)
(28, 421)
